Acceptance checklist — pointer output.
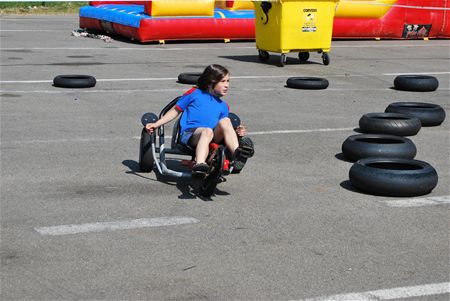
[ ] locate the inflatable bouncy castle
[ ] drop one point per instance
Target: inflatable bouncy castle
(163, 20)
(392, 19)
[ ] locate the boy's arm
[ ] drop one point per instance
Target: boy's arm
(169, 116)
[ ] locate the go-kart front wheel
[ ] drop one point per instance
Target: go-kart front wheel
(209, 186)
(211, 180)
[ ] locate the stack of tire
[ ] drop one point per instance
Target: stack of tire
(384, 157)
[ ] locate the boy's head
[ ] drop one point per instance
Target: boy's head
(214, 79)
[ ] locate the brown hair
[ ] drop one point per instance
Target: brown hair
(211, 76)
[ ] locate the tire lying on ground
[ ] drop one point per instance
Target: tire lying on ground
(190, 78)
(393, 177)
(357, 147)
(429, 114)
(74, 81)
(389, 123)
(311, 83)
(417, 83)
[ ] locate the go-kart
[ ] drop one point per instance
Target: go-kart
(218, 157)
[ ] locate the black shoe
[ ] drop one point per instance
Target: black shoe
(238, 164)
(246, 147)
(200, 169)
(243, 152)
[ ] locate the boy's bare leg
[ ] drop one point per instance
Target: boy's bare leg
(225, 131)
(200, 140)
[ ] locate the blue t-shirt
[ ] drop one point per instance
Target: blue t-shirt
(201, 109)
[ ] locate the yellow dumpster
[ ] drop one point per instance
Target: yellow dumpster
(285, 26)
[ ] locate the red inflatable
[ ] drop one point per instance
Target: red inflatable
(355, 19)
(406, 19)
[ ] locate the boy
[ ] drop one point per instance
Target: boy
(205, 119)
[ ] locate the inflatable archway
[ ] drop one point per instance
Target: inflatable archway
(161, 20)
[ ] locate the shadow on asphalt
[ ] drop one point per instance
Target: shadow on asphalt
(273, 60)
(341, 157)
(348, 186)
(132, 165)
(188, 189)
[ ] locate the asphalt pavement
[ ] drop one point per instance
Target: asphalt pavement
(289, 227)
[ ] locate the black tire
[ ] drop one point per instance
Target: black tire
(312, 83)
(393, 177)
(148, 118)
(417, 83)
(209, 186)
(283, 60)
(429, 114)
(74, 81)
(303, 56)
(190, 78)
(389, 123)
(326, 58)
(146, 159)
(235, 120)
(374, 145)
(263, 56)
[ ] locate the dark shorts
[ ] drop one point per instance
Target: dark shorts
(186, 135)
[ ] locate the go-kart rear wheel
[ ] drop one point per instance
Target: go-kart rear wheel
(190, 78)
(208, 186)
(235, 120)
(146, 159)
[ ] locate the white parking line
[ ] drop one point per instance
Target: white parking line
(417, 73)
(155, 48)
(181, 90)
(419, 202)
(6, 18)
(38, 141)
(301, 131)
(77, 91)
(390, 294)
(98, 80)
(31, 30)
(116, 225)
(234, 77)
(140, 79)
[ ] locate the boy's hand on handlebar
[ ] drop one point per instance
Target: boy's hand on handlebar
(150, 127)
(241, 130)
